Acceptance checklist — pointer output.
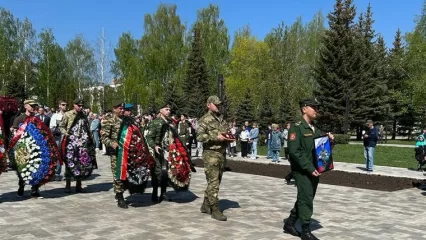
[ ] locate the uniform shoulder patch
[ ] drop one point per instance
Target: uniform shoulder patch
(292, 136)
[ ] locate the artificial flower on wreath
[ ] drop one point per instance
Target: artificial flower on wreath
(36, 152)
(179, 170)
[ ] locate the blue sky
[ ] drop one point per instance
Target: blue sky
(70, 17)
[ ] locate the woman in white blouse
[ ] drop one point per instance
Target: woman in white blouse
(244, 138)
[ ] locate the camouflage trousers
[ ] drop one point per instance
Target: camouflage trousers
(117, 183)
(214, 163)
(157, 177)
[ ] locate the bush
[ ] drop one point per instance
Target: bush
(341, 138)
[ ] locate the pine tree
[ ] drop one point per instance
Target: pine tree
(398, 102)
(245, 109)
(172, 97)
(265, 114)
(195, 86)
(334, 70)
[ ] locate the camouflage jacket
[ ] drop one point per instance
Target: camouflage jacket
(110, 127)
(158, 134)
(184, 131)
(68, 119)
(209, 127)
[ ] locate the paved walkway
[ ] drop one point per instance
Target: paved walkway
(255, 206)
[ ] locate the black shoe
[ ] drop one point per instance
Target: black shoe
(20, 191)
(163, 197)
(308, 236)
(35, 194)
(291, 229)
(227, 169)
(193, 169)
(78, 187)
(288, 181)
(120, 201)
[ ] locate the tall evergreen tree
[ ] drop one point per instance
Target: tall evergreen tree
(245, 110)
(265, 114)
(172, 97)
(398, 90)
(333, 70)
(195, 87)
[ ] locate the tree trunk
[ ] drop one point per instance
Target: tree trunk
(394, 129)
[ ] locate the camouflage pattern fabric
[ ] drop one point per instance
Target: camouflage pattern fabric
(210, 126)
(184, 131)
(214, 163)
(118, 185)
(110, 128)
(158, 135)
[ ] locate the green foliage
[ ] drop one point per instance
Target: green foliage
(341, 138)
(245, 111)
(214, 42)
(265, 115)
(195, 90)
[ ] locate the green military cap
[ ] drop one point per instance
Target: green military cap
(128, 106)
(78, 101)
(214, 99)
(312, 102)
(166, 105)
(30, 102)
(118, 103)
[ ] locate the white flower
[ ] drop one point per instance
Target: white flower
(31, 161)
(23, 174)
(37, 165)
(2, 150)
(24, 169)
(29, 178)
(28, 173)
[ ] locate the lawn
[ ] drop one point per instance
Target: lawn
(397, 141)
(383, 156)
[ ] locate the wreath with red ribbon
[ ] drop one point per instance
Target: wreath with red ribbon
(179, 169)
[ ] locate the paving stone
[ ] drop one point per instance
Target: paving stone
(255, 206)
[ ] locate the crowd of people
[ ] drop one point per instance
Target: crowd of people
(157, 147)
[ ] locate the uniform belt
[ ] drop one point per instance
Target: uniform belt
(220, 150)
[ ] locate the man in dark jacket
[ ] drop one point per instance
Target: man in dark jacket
(370, 140)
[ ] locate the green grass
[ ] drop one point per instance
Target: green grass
(383, 155)
(401, 142)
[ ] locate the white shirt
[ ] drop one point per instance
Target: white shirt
(56, 118)
(244, 135)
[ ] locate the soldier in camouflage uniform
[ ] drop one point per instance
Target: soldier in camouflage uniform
(210, 132)
(158, 139)
(110, 128)
(65, 125)
(184, 132)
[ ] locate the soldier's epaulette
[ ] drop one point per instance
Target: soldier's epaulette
(297, 123)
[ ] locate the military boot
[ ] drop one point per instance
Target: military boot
(68, 186)
(205, 208)
(216, 213)
(120, 200)
(154, 196)
(306, 233)
(289, 226)
(78, 187)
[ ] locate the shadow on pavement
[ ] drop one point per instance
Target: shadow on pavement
(227, 204)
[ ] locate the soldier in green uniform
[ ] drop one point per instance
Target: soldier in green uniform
(301, 150)
(65, 125)
(110, 128)
(158, 139)
(211, 132)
